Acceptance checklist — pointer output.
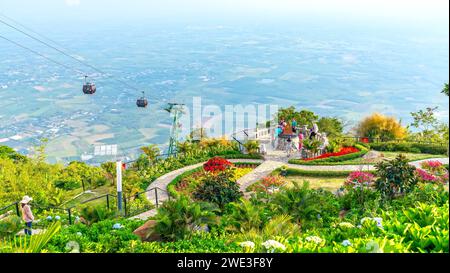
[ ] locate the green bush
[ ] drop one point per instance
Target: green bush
(395, 177)
(100, 237)
(219, 189)
(198, 243)
(179, 219)
(68, 184)
(410, 147)
(10, 225)
(309, 207)
(93, 214)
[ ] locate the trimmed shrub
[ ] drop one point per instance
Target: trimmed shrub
(410, 147)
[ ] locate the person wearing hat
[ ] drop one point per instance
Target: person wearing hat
(27, 215)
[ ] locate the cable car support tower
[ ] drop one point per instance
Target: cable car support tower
(176, 110)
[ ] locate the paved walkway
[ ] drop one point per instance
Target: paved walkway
(273, 160)
(163, 181)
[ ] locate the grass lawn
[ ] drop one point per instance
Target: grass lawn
(86, 196)
(330, 184)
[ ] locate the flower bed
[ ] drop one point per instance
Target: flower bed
(345, 154)
(188, 181)
(343, 151)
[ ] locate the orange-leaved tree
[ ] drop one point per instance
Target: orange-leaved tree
(381, 126)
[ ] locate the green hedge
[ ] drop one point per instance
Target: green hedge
(243, 156)
(325, 161)
(309, 173)
(410, 147)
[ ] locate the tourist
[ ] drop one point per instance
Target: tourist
(314, 131)
(300, 141)
(325, 142)
(27, 215)
(290, 146)
(275, 136)
(294, 125)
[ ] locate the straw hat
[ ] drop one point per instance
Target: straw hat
(26, 199)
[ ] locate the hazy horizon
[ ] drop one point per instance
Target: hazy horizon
(338, 58)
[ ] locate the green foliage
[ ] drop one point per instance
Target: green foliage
(333, 127)
(100, 237)
(30, 244)
(308, 207)
(252, 146)
(77, 174)
(445, 89)
(243, 216)
(10, 153)
(152, 152)
(93, 214)
(219, 189)
(198, 243)
(178, 219)
(410, 147)
(312, 146)
(361, 201)
(32, 178)
(10, 225)
(304, 117)
(395, 177)
(425, 119)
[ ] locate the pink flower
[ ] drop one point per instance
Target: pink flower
(360, 178)
(431, 164)
(425, 176)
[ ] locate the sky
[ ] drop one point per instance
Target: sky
(429, 12)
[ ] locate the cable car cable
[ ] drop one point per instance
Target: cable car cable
(42, 55)
(68, 55)
(33, 31)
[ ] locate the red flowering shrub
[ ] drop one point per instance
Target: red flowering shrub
(217, 164)
(343, 151)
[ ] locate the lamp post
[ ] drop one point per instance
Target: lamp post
(119, 185)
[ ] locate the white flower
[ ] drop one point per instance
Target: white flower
(272, 245)
(57, 217)
(314, 239)
(79, 234)
(247, 244)
(378, 220)
(346, 243)
(49, 218)
(346, 225)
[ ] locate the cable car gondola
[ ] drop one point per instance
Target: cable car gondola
(142, 102)
(88, 87)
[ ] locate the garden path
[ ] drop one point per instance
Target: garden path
(273, 159)
(163, 181)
